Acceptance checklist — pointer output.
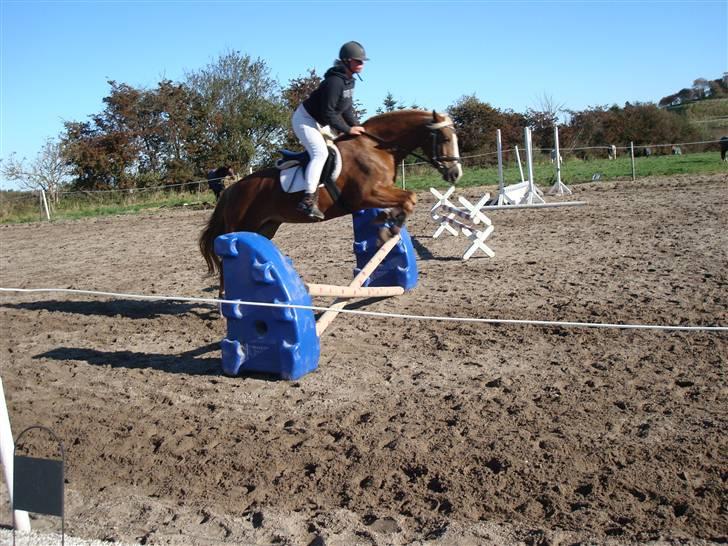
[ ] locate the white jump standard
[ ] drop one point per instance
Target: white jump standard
(478, 228)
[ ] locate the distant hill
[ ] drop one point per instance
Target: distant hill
(705, 104)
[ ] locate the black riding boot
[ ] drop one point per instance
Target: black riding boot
(309, 206)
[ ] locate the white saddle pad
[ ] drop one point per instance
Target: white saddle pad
(293, 179)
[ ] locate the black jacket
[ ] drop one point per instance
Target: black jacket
(331, 103)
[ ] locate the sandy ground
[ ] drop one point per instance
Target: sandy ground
(409, 431)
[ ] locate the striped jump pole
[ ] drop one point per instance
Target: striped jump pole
(476, 236)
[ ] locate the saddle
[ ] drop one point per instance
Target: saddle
(292, 167)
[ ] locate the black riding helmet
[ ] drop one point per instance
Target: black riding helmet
(353, 50)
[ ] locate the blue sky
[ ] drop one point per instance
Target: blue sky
(56, 56)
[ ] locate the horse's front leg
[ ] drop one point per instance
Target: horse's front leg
(400, 203)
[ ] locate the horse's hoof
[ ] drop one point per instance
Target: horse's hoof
(395, 229)
(384, 235)
(381, 217)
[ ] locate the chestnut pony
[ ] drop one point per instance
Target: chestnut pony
(369, 162)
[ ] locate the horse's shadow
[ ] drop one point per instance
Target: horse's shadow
(423, 253)
(131, 309)
(187, 363)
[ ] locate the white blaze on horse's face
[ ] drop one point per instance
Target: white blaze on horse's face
(456, 153)
(448, 153)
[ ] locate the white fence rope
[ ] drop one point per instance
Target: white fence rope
(215, 301)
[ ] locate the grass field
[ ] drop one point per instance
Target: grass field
(18, 207)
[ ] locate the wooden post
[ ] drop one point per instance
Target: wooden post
(331, 290)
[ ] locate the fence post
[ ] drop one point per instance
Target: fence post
(404, 184)
(631, 148)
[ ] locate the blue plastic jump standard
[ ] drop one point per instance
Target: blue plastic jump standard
(399, 268)
(275, 340)
(282, 340)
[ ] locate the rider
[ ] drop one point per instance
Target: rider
(330, 104)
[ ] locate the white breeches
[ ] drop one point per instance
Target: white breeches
(309, 133)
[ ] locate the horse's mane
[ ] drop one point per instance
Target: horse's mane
(387, 118)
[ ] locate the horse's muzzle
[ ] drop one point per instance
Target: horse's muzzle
(452, 173)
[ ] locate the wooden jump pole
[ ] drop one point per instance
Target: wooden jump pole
(331, 290)
(328, 317)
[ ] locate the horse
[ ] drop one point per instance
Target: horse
(723, 148)
(257, 203)
(216, 177)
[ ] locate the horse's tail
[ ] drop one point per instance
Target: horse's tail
(215, 226)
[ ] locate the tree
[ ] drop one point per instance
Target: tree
(389, 104)
(47, 172)
(245, 116)
(298, 90)
(542, 121)
(476, 123)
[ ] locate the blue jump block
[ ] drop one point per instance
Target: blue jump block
(399, 267)
(281, 340)
(275, 340)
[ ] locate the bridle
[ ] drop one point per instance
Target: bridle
(436, 160)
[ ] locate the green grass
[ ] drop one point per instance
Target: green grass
(79, 205)
(576, 170)
(16, 207)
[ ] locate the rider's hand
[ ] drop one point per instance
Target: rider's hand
(357, 130)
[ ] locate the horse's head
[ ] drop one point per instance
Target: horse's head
(403, 131)
(442, 147)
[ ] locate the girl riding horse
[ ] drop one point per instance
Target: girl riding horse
(257, 203)
(329, 105)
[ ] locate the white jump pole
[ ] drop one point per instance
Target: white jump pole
(499, 148)
(328, 317)
(532, 196)
(537, 206)
(44, 205)
(559, 188)
(20, 517)
(520, 168)
(503, 198)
